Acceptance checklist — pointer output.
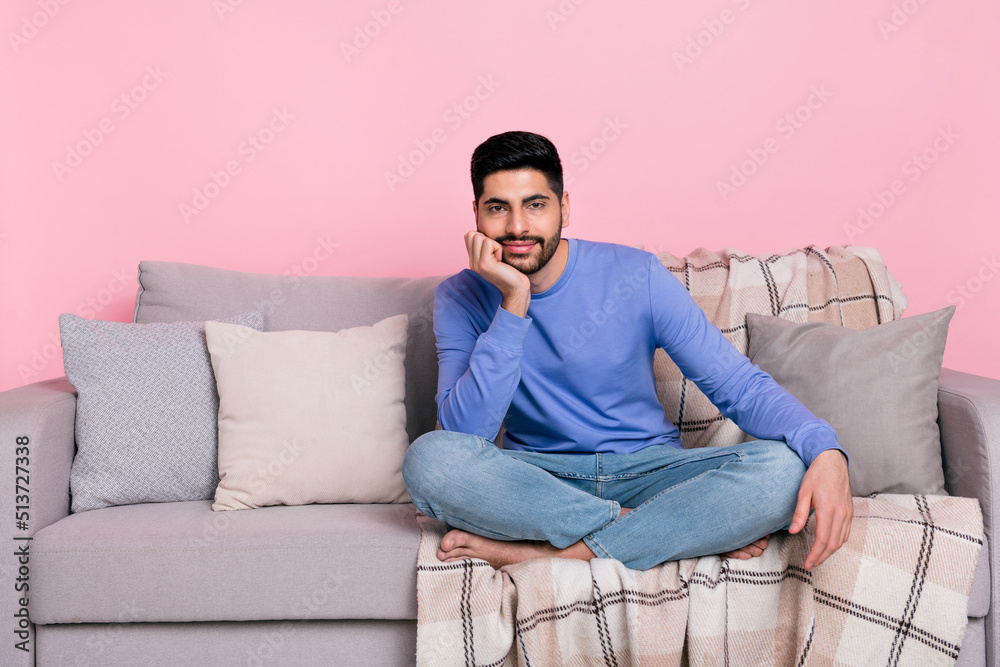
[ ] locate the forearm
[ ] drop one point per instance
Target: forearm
(765, 410)
(475, 390)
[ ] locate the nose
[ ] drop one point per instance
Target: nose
(517, 224)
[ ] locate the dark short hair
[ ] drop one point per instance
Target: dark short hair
(516, 150)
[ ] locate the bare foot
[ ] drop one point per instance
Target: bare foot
(458, 545)
(751, 550)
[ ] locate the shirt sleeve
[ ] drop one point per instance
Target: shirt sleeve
(477, 373)
(740, 389)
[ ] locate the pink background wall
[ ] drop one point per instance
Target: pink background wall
(141, 103)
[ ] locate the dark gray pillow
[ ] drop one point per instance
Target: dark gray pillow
(147, 410)
(877, 387)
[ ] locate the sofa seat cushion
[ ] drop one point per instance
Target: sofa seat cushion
(184, 562)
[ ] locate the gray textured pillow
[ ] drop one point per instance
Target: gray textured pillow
(146, 412)
(877, 387)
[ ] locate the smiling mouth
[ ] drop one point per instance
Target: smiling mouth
(519, 248)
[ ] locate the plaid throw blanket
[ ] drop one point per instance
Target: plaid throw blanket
(895, 594)
(848, 286)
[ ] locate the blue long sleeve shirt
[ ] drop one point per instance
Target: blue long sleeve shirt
(576, 374)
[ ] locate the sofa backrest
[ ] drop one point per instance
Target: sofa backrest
(172, 291)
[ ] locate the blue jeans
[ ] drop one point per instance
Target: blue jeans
(686, 502)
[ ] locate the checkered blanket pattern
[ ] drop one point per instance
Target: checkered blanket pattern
(894, 594)
(844, 285)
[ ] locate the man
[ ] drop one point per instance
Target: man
(590, 465)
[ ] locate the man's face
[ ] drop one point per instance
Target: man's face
(518, 210)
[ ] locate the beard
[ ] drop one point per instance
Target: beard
(539, 256)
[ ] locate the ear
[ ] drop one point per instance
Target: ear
(475, 213)
(565, 209)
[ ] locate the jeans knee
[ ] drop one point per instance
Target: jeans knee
(429, 458)
(417, 461)
(784, 471)
(789, 464)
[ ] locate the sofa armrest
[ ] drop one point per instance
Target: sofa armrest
(45, 414)
(969, 417)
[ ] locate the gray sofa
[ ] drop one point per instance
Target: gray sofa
(178, 584)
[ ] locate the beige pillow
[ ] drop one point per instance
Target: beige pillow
(310, 416)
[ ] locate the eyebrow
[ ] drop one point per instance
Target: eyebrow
(530, 198)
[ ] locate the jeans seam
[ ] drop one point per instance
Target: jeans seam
(592, 537)
(740, 456)
(569, 475)
(596, 547)
(632, 475)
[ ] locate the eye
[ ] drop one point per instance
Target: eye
(536, 204)
(495, 207)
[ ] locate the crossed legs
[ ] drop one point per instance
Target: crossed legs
(684, 503)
